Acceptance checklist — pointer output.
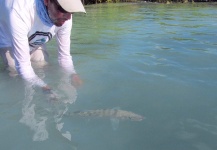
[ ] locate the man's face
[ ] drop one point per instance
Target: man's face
(56, 13)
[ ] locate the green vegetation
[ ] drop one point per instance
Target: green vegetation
(158, 1)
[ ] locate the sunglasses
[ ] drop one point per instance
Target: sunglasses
(59, 8)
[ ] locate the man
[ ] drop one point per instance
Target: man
(25, 27)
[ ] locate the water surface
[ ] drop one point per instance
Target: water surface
(156, 60)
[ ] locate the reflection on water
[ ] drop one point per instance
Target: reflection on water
(36, 118)
(28, 118)
(155, 60)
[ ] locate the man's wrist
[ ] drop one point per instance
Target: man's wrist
(46, 89)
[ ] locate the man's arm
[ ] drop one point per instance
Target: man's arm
(20, 45)
(64, 56)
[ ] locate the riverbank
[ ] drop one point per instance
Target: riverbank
(88, 2)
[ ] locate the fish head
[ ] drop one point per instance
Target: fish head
(136, 117)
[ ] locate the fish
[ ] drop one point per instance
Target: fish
(111, 113)
(115, 115)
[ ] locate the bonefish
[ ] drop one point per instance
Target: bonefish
(111, 113)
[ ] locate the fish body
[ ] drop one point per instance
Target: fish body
(111, 113)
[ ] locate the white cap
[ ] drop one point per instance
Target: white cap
(72, 5)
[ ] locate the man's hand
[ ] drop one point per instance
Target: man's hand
(51, 95)
(46, 89)
(76, 81)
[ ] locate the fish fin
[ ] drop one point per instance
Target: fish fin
(115, 123)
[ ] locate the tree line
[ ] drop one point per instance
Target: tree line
(86, 2)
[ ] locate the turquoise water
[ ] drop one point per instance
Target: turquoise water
(155, 60)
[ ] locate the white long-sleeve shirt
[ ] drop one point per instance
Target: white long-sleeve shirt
(22, 29)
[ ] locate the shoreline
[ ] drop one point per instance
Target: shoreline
(90, 2)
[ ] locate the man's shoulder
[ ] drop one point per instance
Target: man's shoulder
(22, 4)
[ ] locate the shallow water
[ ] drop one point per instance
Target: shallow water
(155, 60)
